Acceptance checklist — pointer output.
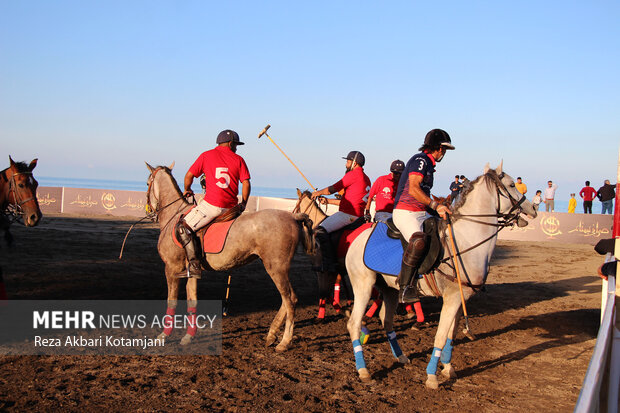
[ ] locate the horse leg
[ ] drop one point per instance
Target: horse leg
(278, 271)
(336, 301)
(363, 291)
(449, 310)
(192, 301)
(390, 300)
(326, 281)
(446, 353)
(173, 294)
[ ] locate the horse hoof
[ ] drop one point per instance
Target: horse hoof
(449, 372)
(270, 340)
(186, 340)
(410, 315)
(162, 337)
(364, 375)
(281, 347)
(403, 359)
(431, 382)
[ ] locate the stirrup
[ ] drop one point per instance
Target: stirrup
(188, 274)
(408, 294)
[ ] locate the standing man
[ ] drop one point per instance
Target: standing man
(413, 201)
(588, 194)
(521, 187)
(606, 195)
(223, 170)
(384, 192)
(455, 188)
(549, 198)
(356, 185)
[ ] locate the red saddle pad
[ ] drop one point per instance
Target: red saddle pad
(215, 237)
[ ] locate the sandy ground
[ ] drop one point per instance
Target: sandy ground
(536, 327)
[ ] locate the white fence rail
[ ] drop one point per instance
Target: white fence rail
(602, 381)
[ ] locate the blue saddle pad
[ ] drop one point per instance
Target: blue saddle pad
(382, 253)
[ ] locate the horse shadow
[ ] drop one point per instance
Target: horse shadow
(563, 328)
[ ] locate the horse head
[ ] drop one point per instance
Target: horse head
(21, 193)
(310, 207)
(155, 193)
(511, 201)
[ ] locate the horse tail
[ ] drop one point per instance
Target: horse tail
(307, 234)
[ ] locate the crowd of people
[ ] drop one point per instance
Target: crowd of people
(605, 194)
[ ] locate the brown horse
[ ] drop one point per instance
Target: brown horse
(271, 235)
(18, 196)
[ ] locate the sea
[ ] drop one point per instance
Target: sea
(141, 186)
(560, 206)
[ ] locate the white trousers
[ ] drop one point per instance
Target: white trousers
(202, 215)
(409, 222)
(336, 221)
(382, 216)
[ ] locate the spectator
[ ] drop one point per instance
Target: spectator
(587, 193)
(464, 181)
(606, 195)
(521, 187)
(455, 188)
(572, 204)
(537, 200)
(549, 198)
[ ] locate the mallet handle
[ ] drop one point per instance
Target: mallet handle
(264, 132)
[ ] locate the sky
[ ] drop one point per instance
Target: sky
(93, 89)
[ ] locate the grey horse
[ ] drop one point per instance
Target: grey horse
(271, 235)
(476, 221)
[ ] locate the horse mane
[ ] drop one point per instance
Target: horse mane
(490, 178)
(21, 167)
(174, 181)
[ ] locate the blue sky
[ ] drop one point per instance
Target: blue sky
(95, 88)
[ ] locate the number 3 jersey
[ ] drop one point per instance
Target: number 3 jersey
(223, 171)
(422, 164)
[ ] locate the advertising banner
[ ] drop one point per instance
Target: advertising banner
(50, 199)
(104, 202)
(562, 227)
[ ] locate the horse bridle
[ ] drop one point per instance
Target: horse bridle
(509, 219)
(15, 207)
(153, 213)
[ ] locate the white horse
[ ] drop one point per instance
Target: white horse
(489, 203)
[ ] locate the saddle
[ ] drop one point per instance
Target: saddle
(213, 235)
(384, 250)
(339, 242)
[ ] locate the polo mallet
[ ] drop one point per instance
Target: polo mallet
(466, 331)
(264, 132)
(225, 308)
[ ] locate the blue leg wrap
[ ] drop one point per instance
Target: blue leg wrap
(394, 344)
(432, 365)
(359, 355)
(446, 353)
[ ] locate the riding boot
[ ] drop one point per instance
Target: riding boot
(187, 238)
(412, 257)
(327, 250)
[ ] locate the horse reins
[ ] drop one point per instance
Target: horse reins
(509, 220)
(151, 213)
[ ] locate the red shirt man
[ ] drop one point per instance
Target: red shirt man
(384, 191)
(223, 170)
(588, 194)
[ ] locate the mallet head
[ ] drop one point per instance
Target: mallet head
(264, 131)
